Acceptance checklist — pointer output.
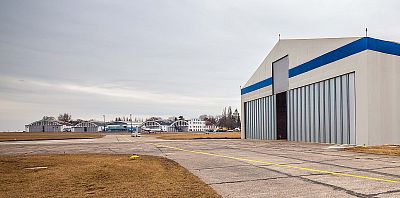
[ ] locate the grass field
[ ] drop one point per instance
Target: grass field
(97, 176)
(384, 149)
(191, 136)
(18, 136)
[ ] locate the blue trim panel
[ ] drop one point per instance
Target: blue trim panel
(264, 83)
(386, 47)
(337, 54)
(352, 48)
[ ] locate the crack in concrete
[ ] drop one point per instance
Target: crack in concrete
(385, 193)
(249, 180)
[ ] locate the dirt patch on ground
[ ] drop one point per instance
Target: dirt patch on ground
(18, 136)
(384, 149)
(191, 136)
(97, 176)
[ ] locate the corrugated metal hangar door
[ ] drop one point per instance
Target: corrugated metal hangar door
(323, 112)
(260, 119)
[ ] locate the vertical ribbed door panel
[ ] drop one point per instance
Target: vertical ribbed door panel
(260, 119)
(323, 112)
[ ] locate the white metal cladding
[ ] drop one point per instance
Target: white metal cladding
(280, 75)
(260, 119)
(323, 112)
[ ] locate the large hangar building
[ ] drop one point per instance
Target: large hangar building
(334, 90)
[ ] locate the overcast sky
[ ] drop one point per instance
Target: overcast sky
(164, 58)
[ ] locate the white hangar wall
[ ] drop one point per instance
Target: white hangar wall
(383, 97)
(377, 84)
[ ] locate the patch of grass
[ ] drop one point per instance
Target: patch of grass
(191, 136)
(20, 136)
(383, 149)
(83, 175)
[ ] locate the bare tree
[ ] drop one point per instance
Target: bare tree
(203, 117)
(210, 120)
(65, 117)
(153, 119)
(48, 118)
(238, 122)
(227, 119)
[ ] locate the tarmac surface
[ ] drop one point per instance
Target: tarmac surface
(243, 168)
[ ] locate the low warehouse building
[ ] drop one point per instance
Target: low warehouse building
(87, 126)
(338, 91)
(165, 126)
(123, 126)
(45, 126)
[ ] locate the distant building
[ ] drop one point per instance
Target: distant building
(87, 126)
(179, 126)
(166, 126)
(197, 125)
(208, 126)
(50, 124)
(122, 126)
(46, 125)
(116, 126)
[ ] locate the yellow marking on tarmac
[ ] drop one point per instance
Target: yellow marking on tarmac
(282, 165)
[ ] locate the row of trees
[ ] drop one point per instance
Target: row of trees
(127, 119)
(65, 117)
(170, 118)
(228, 119)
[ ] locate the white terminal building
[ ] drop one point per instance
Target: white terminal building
(333, 90)
(197, 125)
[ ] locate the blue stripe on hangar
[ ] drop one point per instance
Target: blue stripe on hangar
(386, 47)
(264, 83)
(365, 43)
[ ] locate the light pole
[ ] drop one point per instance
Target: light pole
(104, 118)
(130, 118)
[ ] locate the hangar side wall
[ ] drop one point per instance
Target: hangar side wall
(383, 84)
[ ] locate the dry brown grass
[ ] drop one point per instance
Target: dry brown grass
(97, 176)
(384, 149)
(18, 136)
(191, 136)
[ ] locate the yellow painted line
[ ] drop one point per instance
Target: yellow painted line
(281, 165)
